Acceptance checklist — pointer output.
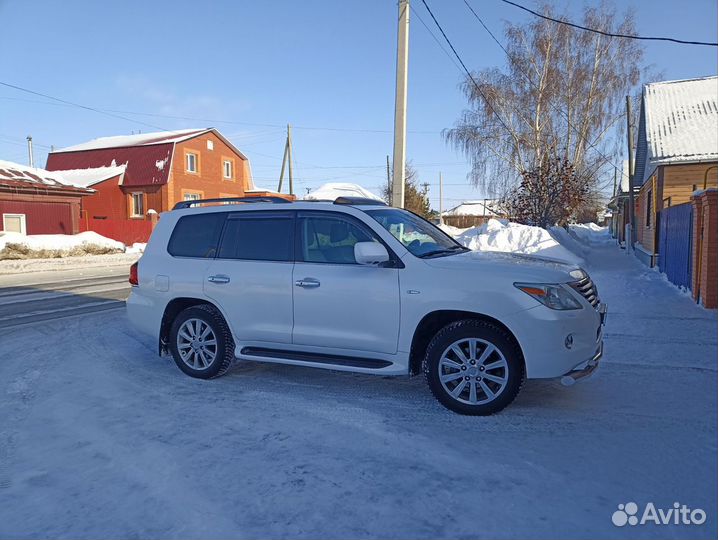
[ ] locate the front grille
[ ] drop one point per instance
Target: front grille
(587, 289)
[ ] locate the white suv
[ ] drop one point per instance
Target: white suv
(355, 285)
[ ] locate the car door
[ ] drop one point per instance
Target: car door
(251, 277)
(339, 304)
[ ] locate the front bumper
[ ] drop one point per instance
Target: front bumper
(558, 343)
(584, 373)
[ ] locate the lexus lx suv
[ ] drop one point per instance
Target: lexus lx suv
(355, 285)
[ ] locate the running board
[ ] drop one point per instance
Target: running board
(317, 358)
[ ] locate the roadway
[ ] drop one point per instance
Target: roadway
(32, 298)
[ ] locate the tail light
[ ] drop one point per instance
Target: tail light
(134, 279)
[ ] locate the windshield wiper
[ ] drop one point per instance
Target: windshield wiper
(452, 249)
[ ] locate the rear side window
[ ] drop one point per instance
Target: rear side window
(197, 236)
(258, 236)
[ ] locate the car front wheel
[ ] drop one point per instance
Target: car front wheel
(474, 367)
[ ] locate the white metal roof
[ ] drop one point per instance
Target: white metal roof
(681, 122)
(91, 176)
(474, 208)
(34, 175)
(141, 139)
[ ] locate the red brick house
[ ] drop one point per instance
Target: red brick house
(133, 174)
(36, 201)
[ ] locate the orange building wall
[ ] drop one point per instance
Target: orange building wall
(209, 181)
(112, 201)
(107, 202)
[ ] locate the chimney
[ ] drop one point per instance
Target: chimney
(29, 151)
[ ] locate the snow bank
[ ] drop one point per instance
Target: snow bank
(332, 190)
(19, 246)
(81, 262)
(502, 235)
(137, 247)
(590, 233)
(567, 240)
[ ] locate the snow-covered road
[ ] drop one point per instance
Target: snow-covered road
(99, 437)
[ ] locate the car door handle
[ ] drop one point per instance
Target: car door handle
(307, 283)
(219, 278)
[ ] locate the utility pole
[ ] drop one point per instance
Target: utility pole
(402, 60)
(441, 199)
(287, 163)
(613, 198)
(29, 151)
(631, 202)
(388, 180)
(615, 177)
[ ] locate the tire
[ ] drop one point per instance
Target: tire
(490, 369)
(203, 359)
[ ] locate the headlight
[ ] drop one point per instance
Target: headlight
(551, 296)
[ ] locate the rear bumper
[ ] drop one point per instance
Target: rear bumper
(143, 313)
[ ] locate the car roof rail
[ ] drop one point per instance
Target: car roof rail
(359, 201)
(190, 203)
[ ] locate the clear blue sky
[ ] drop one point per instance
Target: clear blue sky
(239, 64)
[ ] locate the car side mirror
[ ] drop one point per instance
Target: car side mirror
(370, 253)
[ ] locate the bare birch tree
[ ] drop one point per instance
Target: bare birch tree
(561, 96)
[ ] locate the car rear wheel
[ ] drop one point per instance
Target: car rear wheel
(474, 367)
(201, 343)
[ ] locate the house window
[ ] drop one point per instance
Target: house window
(191, 163)
(228, 168)
(210, 145)
(14, 223)
(649, 207)
(192, 196)
(137, 205)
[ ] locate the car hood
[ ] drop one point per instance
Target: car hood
(517, 267)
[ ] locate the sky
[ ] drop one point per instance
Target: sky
(250, 67)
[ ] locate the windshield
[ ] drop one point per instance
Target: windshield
(419, 236)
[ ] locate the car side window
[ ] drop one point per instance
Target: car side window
(330, 239)
(258, 236)
(196, 236)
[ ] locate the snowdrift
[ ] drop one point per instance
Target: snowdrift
(590, 233)
(502, 235)
(48, 246)
(334, 190)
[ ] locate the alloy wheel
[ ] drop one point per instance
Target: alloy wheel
(197, 344)
(473, 371)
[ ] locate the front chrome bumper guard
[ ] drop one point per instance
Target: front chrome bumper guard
(576, 375)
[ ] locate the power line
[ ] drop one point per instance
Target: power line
(447, 53)
(468, 73)
(113, 112)
(79, 106)
(556, 107)
(610, 34)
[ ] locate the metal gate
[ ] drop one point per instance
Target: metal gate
(676, 244)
